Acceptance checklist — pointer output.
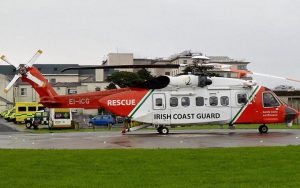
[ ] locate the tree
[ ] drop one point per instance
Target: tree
(111, 86)
(124, 79)
(144, 74)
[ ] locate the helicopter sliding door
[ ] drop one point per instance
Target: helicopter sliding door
(219, 106)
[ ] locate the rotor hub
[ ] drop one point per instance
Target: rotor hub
(22, 70)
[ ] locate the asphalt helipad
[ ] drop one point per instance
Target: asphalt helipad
(150, 139)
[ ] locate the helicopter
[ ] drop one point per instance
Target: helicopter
(193, 98)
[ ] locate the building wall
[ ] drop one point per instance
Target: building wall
(3, 83)
(25, 93)
(120, 59)
(63, 78)
(92, 86)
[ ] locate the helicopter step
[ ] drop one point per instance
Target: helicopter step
(136, 128)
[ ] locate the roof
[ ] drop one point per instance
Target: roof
(295, 93)
(49, 69)
(66, 84)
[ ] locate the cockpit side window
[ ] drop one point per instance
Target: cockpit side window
(270, 100)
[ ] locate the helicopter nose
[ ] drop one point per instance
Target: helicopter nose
(290, 114)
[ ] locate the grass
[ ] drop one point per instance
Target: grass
(215, 167)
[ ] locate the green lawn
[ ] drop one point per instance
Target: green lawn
(218, 167)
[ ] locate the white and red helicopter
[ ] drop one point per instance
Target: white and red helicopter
(165, 100)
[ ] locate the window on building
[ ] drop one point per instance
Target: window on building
(242, 67)
(167, 73)
(224, 101)
(199, 101)
(31, 108)
(213, 101)
(53, 80)
(23, 92)
(242, 98)
(270, 100)
(97, 89)
(185, 101)
(185, 61)
(72, 91)
(173, 101)
(22, 109)
(158, 102)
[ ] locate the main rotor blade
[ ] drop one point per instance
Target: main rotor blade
(34, 58)
(6, 60)
(170, 66)
(11, 83)
(34, 79)
(278, 77)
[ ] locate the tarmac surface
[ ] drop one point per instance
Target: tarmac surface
(149, 139)
(12, 136)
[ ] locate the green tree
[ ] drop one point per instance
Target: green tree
(144, 74)
(124, 79)
(111, 86)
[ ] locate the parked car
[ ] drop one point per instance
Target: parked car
(102, 120)
(39, 118)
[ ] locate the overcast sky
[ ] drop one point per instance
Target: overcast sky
(264, 32)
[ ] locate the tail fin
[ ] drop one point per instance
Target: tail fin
(46, 91)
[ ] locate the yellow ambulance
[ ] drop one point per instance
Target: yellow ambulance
(26, 110)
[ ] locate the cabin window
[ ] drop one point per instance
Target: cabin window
(213, 101)
(22, 109)
(242, 98)
(31, 108)
(185, 101)
(224, 101)
(173, 101)
(158, 102)
(270, 100)
(199, 101)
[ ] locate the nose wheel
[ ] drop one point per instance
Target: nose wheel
(263, 129)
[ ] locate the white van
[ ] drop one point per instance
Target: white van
(60, 118)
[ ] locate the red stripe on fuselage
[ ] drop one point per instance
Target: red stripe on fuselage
(124, 102)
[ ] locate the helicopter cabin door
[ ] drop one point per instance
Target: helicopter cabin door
(161, 116)
(219, 106)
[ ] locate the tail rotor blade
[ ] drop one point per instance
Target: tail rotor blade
(6, 60)
(11, 83)
(34, 58)
(34, 79)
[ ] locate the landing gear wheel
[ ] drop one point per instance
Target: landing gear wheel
(164, 130)
(263, 129)
(28, 125)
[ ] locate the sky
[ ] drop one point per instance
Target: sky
(264, 32)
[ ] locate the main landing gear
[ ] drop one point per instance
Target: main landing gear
(263, 129)
(163, 130)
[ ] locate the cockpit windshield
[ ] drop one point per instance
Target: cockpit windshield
(270, 100)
